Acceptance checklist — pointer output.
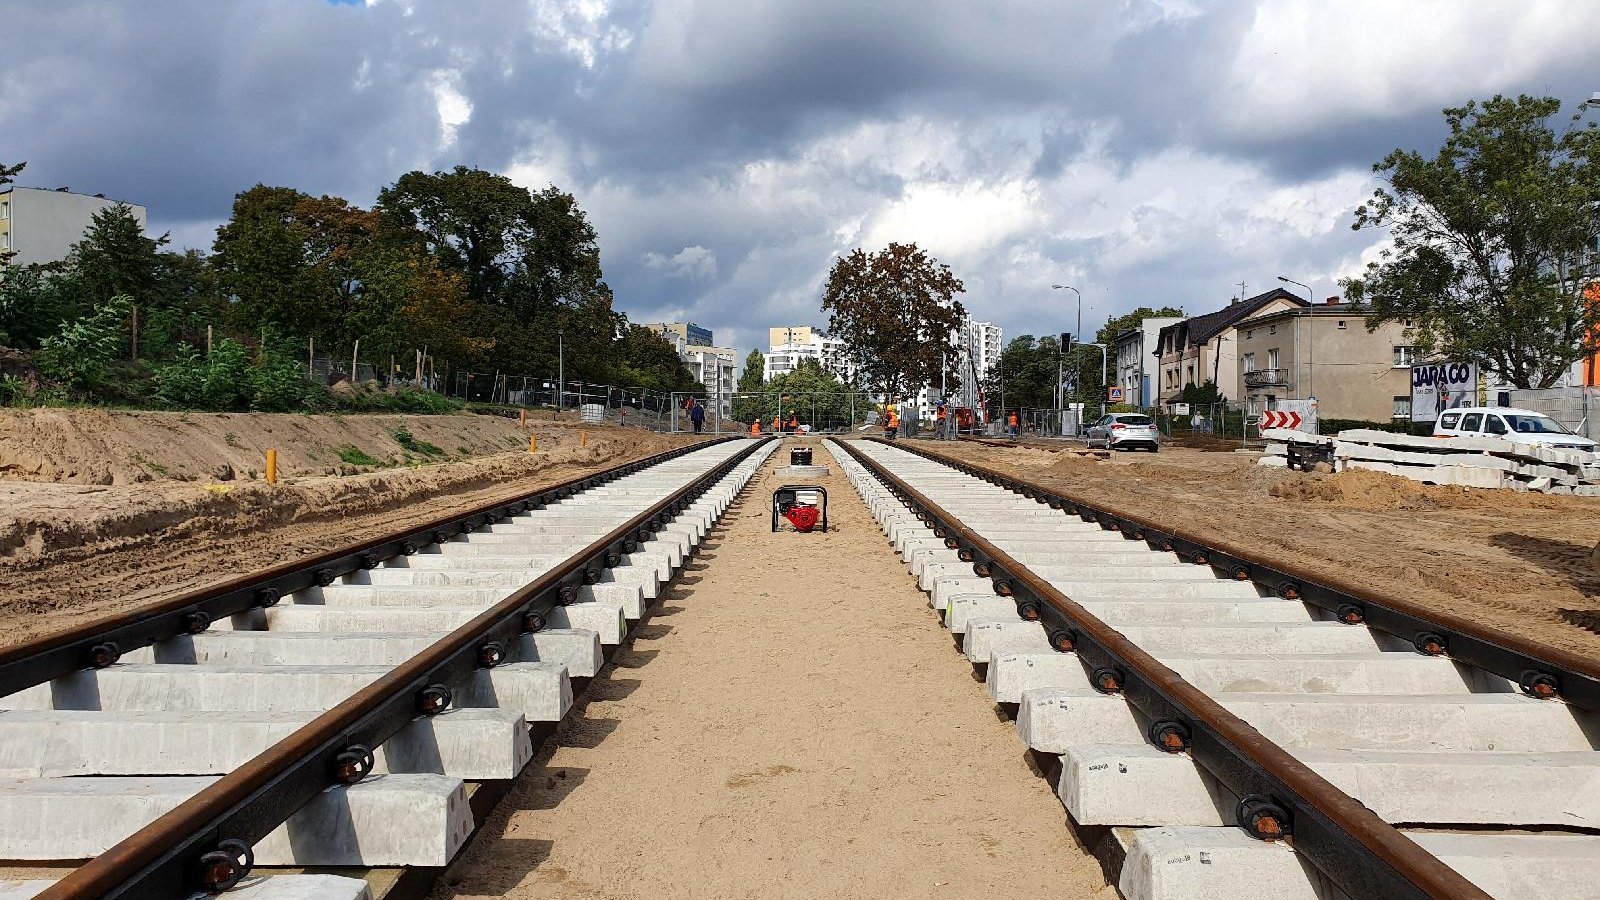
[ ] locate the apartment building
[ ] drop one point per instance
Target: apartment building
(714, 367)
(1136, 360)
(1206, 348)
(40, 226)
(788, 344)
(686, 333)
(1325, 351)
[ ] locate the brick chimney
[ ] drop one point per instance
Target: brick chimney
(1333, 301)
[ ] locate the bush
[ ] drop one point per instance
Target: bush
(226, 380)
(355, 456)
(78, 354)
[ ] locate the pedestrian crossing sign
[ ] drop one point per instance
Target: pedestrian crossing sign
(1114, 394)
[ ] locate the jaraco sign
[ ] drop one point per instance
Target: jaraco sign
(1436, 387)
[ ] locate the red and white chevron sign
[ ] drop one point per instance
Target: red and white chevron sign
(1278, 419)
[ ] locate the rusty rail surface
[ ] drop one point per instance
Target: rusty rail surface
(1364, 855)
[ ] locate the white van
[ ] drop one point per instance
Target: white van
(1522, 425)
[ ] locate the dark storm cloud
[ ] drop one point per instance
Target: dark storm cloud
(727, 149)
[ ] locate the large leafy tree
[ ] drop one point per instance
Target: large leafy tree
(260, 256)
(896, 310)
(530, 261)
(1491, 241)
(650, 361)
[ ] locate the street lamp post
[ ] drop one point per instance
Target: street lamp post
(561, 372)
(1077, 335)
(1311, 339)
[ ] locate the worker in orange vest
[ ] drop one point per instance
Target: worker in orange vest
(1012, 421)
(943, 419)
(794, 422)
(891, 424)
(777, 423)
(755, 428)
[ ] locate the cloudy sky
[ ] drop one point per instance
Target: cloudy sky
(1146, 151)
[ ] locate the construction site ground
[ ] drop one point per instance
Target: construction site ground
(1513, 561)
(100, 511)
(793, 722)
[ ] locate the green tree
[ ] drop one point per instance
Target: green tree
(1025, 374)
(260, 259)
(652, 362)
(812, 393)
(896, 311)
(750, 402)
(1491, 241)
(34, 302)
(114, 258)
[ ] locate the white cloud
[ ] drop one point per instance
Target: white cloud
(695, 263)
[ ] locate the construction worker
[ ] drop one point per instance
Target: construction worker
(777, 424)
(794, 422)
(891, 424)
(755, 428)
(1011, 421)
(942, 417)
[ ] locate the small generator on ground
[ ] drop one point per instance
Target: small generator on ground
(800, 456)
(804, 505)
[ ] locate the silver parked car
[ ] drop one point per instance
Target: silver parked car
(1119, 431)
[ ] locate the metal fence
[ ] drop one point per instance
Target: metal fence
(1574, 407)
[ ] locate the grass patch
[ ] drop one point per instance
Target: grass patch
(232, 440)
(414, 444)
(155, 467)
(355, 456)
(464, 451)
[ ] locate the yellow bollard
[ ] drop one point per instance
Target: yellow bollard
(533, 443)
(583, 439)
(522, 418)
(272, 466)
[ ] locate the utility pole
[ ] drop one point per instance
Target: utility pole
(561, 373)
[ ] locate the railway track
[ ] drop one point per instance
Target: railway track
(1237, 729)
(359, 712)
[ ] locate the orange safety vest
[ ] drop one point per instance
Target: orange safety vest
(755, 428)
(894, 420)
(794, 422)
(942, 413)
(1012, 421)
(777, 422)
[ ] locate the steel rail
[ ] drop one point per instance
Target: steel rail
(1541, 671)
(182, 850)
(101, 641)
(1362, 854)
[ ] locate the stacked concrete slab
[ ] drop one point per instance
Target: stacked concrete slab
(89, 758)
(1479, 462)
(1419, 739)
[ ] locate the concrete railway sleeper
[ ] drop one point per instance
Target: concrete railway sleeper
(364, 709)
(1235, 742)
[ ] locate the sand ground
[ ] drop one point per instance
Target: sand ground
(792, 723)
(72, 551)
(1517, 562)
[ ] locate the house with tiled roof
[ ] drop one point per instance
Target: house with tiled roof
(1206, 347)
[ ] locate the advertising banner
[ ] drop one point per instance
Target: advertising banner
(1436, 387)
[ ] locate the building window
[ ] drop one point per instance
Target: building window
(1403, 357)
(1249, 362)
(5, 210)
(1191, 375)
(1341, 323)
(1402, 407)
(1272, 358)
(1249, 334)
(1272, 329)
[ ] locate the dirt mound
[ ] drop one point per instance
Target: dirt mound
(1365, 490)
(108, 447)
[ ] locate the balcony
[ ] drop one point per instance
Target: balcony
(1265, 378)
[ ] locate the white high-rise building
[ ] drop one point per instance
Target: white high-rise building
(787, 345)
(977, 345)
